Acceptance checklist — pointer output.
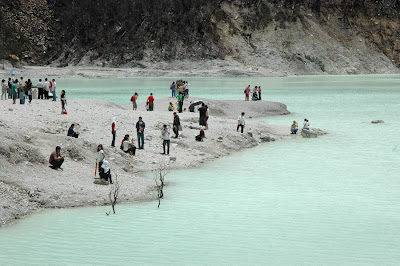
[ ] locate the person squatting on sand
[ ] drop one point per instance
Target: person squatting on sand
(105, 171)
(140, 126)
(113, 131)
(72, 132)
(294, 128)
(176, 125)
(241, 122)
(165, 132)
(101, 156)
(127, 145)
(56, 160)
(133, 100)
(171, 107)
(201, 135)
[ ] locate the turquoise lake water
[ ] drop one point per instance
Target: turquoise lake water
(333, 200)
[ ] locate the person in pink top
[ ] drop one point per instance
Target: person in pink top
(247, 92)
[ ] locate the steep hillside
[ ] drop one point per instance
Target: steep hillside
(296, 37)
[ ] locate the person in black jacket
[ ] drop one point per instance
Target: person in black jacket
(176, 125)
(140, 125)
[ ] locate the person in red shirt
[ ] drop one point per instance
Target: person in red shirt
(259, 93)
(113, 131)
(150, 101)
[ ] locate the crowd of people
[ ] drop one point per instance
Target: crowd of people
(255, 94)
(22, 90)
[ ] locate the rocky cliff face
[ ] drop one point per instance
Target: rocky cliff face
(296, 37)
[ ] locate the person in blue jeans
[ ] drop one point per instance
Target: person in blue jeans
(140, 126)
(173, 89)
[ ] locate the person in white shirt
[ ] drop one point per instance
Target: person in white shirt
(241, 122)
(53, 89)
(40, 86)
(165, 132)
(46, 88)
(4, 87)
(306, 124)
(101, 156)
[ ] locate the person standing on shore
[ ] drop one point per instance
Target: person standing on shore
(46, 88)
(100, 156)
(56, 160)
(133, 100)
(241, 122)
(150, 100)
(166, 140)
(259, 93)
(247, 92)
(173, 89)
(203, 118)
(176, 125)
(113, 131)
(180, 98)
(14, 91)
(63, 102)
(140, 126)
(4, 89)
(10, 82)
(53, 89)
(40, 86)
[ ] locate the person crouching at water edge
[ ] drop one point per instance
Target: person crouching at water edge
(294, 128)
(101, 156)
(56, 160)
(241, 122)
(105, 172)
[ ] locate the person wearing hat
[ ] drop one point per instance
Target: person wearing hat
(56, 160)
(105, 172)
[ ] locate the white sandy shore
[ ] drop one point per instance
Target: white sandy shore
(30, 132)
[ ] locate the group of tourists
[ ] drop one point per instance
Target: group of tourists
(295, 126)
(255, 94)
(179, 86)
(24, 89)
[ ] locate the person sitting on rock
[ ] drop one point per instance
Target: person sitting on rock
(127, 145)
(105, 172)
(294, 128)
(255, 96)
(56, 160)
(72, 132)
(171, 107)
(306, 124)
(201, 136)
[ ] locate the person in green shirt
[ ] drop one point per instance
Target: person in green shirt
(180, 100)
(14, 90)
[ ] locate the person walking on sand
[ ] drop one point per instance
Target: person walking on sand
(100, 156)
(140, 126)
(247, 93)
(165, 132)
(53, 89)
(113, 131)
(173, 89)
(4, 89)
(241, 122)
(56, 160)
(180, 98)
(133, 100)
(63, 102)
(176, 125)
(202, 118)
(259, 93)
(294, 128)
(14, 91)
(150, 100)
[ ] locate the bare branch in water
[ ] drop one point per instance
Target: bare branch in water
(160, 174)
(114, 193)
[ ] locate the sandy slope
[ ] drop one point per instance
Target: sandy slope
(30, 132)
